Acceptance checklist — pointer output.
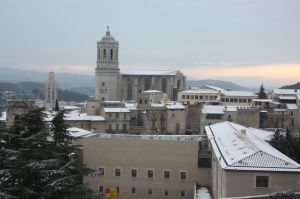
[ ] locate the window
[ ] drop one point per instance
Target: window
(167, 174)
(102, 98)
(231, 100)
(244, 100)
(101, 171)
(117, 115)
(118, 189)
(196, 96)
(187, 97)
(235, 100)
(111, 53)
(103, 84)
(134, 173)
(183, 175)
(292, 113)
(81, 126)
(150, 173)
(124, 115)
(150, 191)
(146, 101)
(200, 97)
(182, 193)
(100, 189)
(104, 53)
(124, 127)
(133, 190)
(262, 181)
(183, 97)
(117, 127)
(109, 115)
(109, 127)
(118, 172)
(140, 101)
(166, 192)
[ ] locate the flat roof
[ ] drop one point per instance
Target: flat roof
(150, 72)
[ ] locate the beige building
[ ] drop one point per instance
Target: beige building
(145, 166)
(111, 84)
(243, 115)
(245, 165)
(214, 95)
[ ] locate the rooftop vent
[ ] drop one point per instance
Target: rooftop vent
(243, 131)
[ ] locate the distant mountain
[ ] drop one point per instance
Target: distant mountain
(64, 80)
(218, 83)
(293, 86)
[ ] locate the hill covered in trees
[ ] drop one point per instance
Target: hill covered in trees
(293, 86)
(36, 91)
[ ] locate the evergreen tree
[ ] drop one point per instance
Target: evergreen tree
(33, 164)
(56, 106)
(261, 94)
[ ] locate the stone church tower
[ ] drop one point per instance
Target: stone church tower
(50, 92)
(107, 70)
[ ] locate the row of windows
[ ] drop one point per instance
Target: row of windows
(150, 191)
(104, 54)
(201, 97)
(110, 127)
(240, 100)
(150, 173)
(117, 115)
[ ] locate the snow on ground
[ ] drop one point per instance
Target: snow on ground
(202, 193)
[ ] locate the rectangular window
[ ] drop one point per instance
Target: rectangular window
(262, 181)
(231, 100)
(150, 191)
(200, 97)
(118, 172)
(192, 97)
(101, 171)
(124, 115)
(109, 115)
(183, 97)
(150, 173)
(166, 192)
(109, 127)
(167, 174)
(124, 127)
(182, 193)
(100, 189)
(117, 115)
(133, 190)
(146, 101)
(196, 96)
(133, 173)
(235, 100)
(117, 126)
(227, 99)
(140, 101)
(183, 175)
(187, 97)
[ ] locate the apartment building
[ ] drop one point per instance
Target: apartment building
(145, 166)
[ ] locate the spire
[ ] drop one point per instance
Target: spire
(107, 31)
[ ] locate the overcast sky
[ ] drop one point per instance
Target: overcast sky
(245, 41)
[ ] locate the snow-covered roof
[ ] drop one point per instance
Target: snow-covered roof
(150, 72)
(284, 97)
(213, 109)
(286, 91)
(262, 134)
(78, 132)
(3, 116)
(239, 93)
(131, 106)
(292, 106)
(238, 148)
(71, 107)
(175, 105)
(150, 137)
(157, 105)
(151, 91)
(83, 116)
(212, 87)
(262, 100)
(116, 110)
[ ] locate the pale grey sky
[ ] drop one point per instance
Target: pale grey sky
(203, 38)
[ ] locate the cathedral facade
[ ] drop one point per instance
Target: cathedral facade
(115, 85)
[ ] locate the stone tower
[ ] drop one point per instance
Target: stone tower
(107, 70)
(50, 92)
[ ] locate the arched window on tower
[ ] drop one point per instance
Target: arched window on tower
(117, 55)
(111, 54)
(98, 54)
(104, 53)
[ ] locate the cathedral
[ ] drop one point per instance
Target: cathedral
(115, 85)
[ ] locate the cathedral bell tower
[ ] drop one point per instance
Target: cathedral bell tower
(107, 70)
